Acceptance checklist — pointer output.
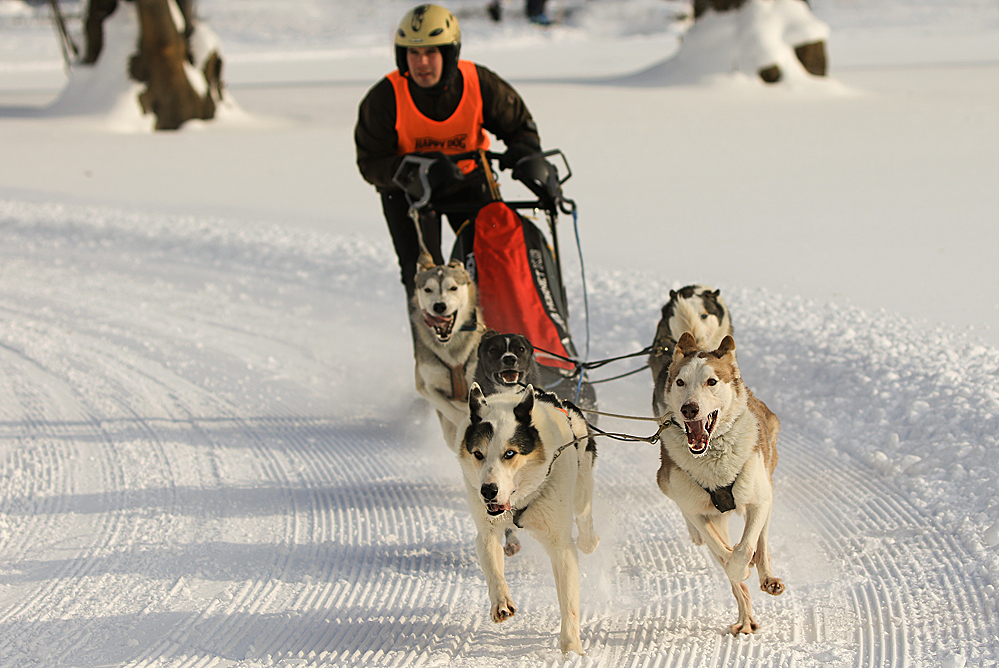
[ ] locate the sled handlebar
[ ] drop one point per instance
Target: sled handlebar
(535, 171)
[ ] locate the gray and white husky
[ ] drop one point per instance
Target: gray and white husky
(447, 327)
(527, 459)
(720, 457)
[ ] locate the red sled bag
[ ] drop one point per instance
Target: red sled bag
(520, 290)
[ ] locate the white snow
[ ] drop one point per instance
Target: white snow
(211, 452)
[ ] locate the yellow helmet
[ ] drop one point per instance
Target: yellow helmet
(428, 25)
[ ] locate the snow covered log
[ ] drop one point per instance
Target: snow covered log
(768, 22)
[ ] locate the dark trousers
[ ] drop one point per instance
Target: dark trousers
(535, 7)
(404, 237)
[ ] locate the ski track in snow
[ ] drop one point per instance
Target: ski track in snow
(184, 480)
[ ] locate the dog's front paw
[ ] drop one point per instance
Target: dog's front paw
(512, 545)
(571, 645)
(746, 626)
(773, 586)
(587, 542)
(503, 609)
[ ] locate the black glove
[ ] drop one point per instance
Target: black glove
(515, 153)
(442, 171)
(439, 171)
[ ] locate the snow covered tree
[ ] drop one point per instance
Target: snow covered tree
(182, 82)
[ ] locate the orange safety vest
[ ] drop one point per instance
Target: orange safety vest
(462, 132)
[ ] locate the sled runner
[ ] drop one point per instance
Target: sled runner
(517, 270)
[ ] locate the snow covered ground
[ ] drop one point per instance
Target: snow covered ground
(210, 448)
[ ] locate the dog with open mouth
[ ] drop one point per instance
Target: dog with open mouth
(527, 460)
(447, 327)
(506, 362)
(718, 456)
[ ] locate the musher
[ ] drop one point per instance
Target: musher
(435, 104)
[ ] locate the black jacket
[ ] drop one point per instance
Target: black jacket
(504, 115)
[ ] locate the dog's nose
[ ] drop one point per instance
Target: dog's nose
(489, 491)
(508, 359)
(440, 307)
(690, 410)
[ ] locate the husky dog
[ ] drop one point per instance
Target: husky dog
(527, 459)
(447, 327)
(506, 361)
(696, 309)
(719, 457)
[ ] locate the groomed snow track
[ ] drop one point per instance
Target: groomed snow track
(175, 492)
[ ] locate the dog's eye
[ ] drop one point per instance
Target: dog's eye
(509, 454)
(479, 455)
(704, 316)
(679, 382)
(453, 288)
(712, 382)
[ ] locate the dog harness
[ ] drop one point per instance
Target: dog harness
(721, 497)
(519, 512)
(459, 387)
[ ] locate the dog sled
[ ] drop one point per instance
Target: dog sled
(516, 266)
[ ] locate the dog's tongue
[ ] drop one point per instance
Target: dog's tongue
(510, 377)
(697, 437)
(434, 320)
(497, 508)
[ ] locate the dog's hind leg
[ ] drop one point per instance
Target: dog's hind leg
(588, 539)
(713, 530)
(695, 535)
(768, 582)
(448, 431)
(565, 565)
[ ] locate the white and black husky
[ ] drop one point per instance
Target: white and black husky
(447, 328)
(527, 460)
(719, 457)
(697, 309)
(506, 363)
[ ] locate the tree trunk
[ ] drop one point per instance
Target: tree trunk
(161, 61)
(160, 65)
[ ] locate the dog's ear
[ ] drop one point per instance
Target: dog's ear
(726, 347)
(476, 400)
(523, 410)
(672, 295)
(456, 264)
(425, 261)
(685, 347)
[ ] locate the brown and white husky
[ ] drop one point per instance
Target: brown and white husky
(719, 457)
